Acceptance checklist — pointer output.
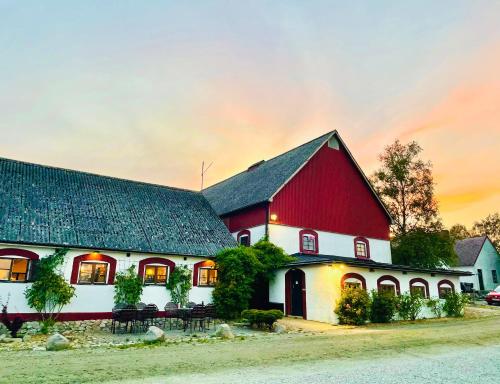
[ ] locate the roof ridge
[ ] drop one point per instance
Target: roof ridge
(97, 175)
(272, 158)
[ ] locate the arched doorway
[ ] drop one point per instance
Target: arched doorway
(295, 293)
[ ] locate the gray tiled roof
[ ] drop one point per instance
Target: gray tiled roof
(53, 206)
(257, 185)
(468, 250)
(306, 259)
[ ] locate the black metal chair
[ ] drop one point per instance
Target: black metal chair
(126, 315)
(210, 314)
(197, 316)
(171, 312)
(147, 315)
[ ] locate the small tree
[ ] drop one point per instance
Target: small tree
(409, 306)
(383, 307)
(237, 268)
(489, 226)
(128, 287)
(459, 232)
(271, 257)
(353, 306)
(49, 292)
(179, 285)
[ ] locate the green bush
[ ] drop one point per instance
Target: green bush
(409, 306)
(383, 307)
(179, 285)
(436, 306)
(49, 292)
(237, 268)
(128, 287)
(454, 304)
(353, 306)
(262, 318)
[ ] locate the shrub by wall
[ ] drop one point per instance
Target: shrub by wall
(262, 318)
(454, 304)
(353, 306)
(383, 307)
(409, 306)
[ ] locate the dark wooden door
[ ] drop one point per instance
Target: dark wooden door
(297, 282)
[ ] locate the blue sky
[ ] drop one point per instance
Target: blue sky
(147, 90)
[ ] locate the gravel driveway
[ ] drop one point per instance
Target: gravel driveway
(466, 365)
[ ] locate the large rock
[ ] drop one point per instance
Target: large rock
(154, 334)
(57, 342)
(279, 328)
(224, 331)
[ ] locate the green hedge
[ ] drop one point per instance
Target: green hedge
(262, 318)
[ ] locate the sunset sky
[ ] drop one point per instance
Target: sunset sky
(147, 90)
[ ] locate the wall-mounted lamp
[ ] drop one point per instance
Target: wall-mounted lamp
(128, 254)
(274, 216)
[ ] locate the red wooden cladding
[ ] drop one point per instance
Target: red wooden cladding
(330, 194)
(246, 218)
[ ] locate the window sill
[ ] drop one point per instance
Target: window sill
(206, 286)
(15, 282)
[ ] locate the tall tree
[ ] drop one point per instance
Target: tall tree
(405, 184)
(490, 226)
(459, 232)
(425, 249)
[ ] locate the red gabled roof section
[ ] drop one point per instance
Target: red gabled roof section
(331, 193)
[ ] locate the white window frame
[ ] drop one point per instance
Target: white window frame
(156, 265)
(93, 262)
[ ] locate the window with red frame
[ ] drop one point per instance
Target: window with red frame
(361, 248)
(14, 269)
(309, 243)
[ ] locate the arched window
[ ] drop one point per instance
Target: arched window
(388, 284)
(244, 237)
(93, 268)
(308, 241)
(419, 286)
(204, 274)
(15, 264)
(362, 248)
(353, 280)
(445, 287)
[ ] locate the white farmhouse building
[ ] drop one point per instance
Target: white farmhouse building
(108, 224)
(315, 202)
(479, 256)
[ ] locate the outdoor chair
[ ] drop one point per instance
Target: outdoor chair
(210, 314)
(171, 312)
(197, 317)
(126, 316)
(147, 315)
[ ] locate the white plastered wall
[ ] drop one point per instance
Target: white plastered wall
(323, 287)
(329, 243)
(256, 233)
(99, 298)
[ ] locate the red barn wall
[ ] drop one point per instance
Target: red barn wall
(329, 194)
(246, 218)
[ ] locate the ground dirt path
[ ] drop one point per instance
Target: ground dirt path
(449, 350)
(456, 366)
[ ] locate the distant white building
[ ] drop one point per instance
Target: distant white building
(479, 256)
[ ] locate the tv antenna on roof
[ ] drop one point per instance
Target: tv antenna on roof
(203, 171)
